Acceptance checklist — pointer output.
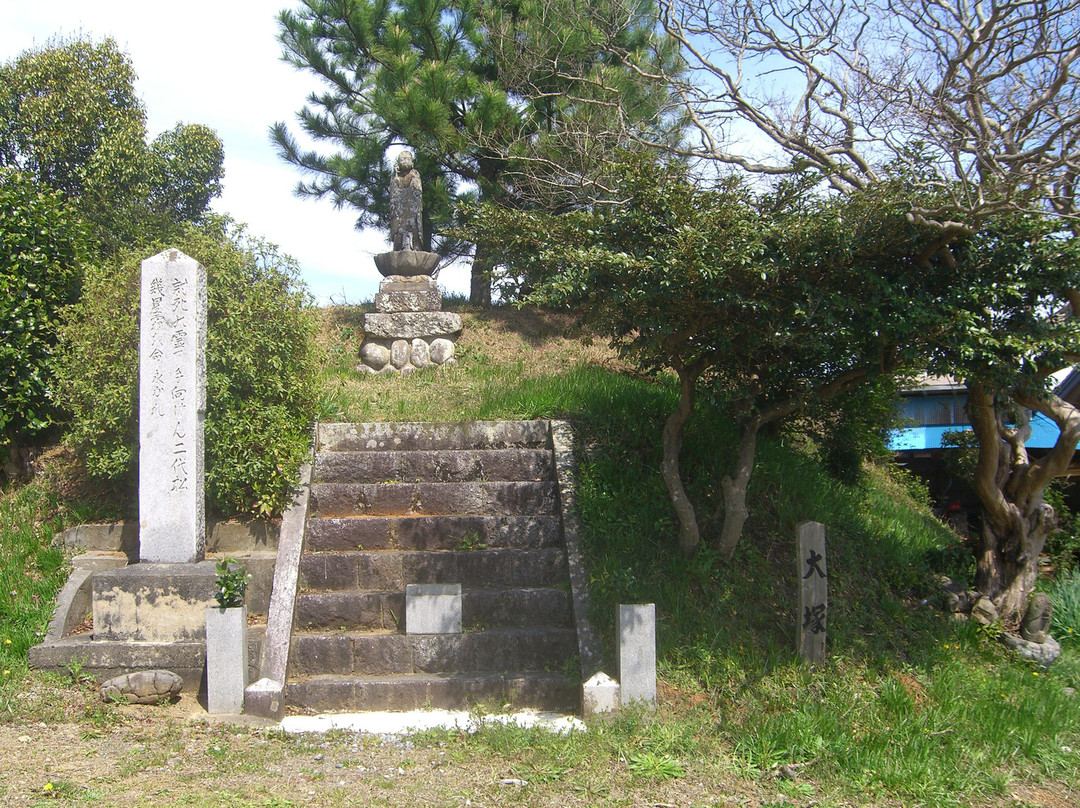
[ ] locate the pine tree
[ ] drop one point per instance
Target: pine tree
(455, 80)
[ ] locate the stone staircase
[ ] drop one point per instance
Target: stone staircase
(470, 503)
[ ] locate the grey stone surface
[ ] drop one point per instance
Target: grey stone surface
(420, 356)
(408, 283)
(399, 353)
(374, 355)
(590, 649)
(441, 349)
(985, 612)
(600, 694)
(409, 325)
(226, 659)
(1036, 623)
(811, 568)
(454, 435)
(437, 465)
(408, 300)
(1044, 654)
(142, 687)
(75, 600)
(106, 659)
(172, 408)
(636, 651)
(406, 262)
(153, 602)
(433, 609)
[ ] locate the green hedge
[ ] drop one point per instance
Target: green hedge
(259, 368)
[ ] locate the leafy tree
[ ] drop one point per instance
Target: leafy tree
(440, 76)
(768, 301)
(70, 117)
(981, 103)
(259, 367)
(41, 247)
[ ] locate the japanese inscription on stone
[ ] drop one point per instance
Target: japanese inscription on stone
(172, 407)
(813, 591)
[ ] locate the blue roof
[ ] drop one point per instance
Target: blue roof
(1044, 434)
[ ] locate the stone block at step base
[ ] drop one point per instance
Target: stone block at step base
(411, 324)
(142, 687)
(153, 602)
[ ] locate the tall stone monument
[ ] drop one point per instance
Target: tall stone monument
(172, 408)
(409, 330)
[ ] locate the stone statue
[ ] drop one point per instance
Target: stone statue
(406, 192)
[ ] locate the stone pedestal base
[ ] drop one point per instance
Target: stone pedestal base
(409, 332)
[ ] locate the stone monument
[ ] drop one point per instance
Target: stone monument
(172, 408)
(409, 330)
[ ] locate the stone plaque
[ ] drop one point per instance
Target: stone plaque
(172, 407)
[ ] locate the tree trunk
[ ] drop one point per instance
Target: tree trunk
(735, 486)
(1008, 563)
(674, 428)
(480, 284)
(1010, 486)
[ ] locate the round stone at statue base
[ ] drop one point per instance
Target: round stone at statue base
(406, 262)
(391, 357)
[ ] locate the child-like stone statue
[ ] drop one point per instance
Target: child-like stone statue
(406, 193)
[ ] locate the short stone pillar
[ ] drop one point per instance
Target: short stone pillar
(172, 408)
(636, 651)
(433, 609)
(226, 659)
(813, 591)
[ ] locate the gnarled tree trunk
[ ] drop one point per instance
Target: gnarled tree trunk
(1010, 486)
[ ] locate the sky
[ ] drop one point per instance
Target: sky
(219, 63)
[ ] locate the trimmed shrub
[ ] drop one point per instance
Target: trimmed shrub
(259, 368)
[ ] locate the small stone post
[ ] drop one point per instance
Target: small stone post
(637, 653)
(172, 407)
(226, 659)
(813, 590)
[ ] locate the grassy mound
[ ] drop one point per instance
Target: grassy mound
(911, 707)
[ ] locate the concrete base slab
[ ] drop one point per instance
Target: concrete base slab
(392, 723)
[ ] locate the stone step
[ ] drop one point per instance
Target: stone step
(392, 570)
(492, 650)
(431, 436)
(441, 465)
(489, 607)
(434, 499)
(535, 690)
(343, 534)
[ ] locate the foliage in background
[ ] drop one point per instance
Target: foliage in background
(768, 301)
(70, 117)
(259, 373)
(448, 78)
(41, 247)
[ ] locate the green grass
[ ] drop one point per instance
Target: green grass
(1065, 594)
(911, 707)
